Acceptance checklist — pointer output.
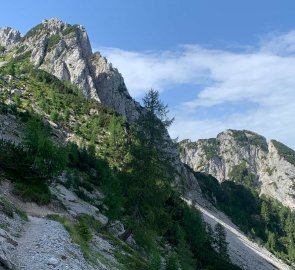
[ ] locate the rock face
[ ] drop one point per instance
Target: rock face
(64, 50)
(270, 162)
(9, 36)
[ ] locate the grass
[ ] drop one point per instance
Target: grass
(33, 192)
(80, 233)
(9, 209)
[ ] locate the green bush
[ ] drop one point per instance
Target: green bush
(33, 192)
(69, 29)
(52, 41)
(285, 152)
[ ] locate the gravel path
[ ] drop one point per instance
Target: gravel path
(243, 252)
(44, 245)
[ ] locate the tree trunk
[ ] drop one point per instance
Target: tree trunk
(125, 235)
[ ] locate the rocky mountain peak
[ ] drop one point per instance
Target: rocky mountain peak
(54, 24)
(64, 50)
(272, 164)
(9, 36)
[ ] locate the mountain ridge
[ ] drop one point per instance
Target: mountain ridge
(274, 174)
(64, 51)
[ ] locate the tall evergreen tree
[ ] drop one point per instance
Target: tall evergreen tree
(150, 172)
(221, 244)
(265, 212)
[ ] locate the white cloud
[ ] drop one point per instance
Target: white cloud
(264, 75)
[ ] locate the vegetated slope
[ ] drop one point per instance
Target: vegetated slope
(246, 166)
(104, 179)
(269, 165)
(87, 164)
(264, 220)
(242, 251)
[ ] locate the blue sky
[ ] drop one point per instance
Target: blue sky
(218, 64)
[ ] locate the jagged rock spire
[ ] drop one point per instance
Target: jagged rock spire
(65, 51)
(9, 36)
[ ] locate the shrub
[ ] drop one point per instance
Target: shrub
(284, 151)
(52, 41)
(33, 192)
(69, 29)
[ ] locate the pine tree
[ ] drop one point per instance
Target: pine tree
(271, 241)
(155, 261)
(185, 255)
(150, 173)
(220, 242)
(265, 212)
(172, 262)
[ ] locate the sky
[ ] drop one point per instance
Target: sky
(217, 64)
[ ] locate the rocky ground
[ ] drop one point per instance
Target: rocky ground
(45, 244)
(39, 243)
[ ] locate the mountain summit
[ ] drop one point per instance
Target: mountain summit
(64, 51)
(272, 164)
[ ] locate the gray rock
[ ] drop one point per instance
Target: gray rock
(9, 36)
(65, 51)
(76, 206)
(53, 261)
(275, 175)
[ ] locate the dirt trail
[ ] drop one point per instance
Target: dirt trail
(44, 245)
(243, 252)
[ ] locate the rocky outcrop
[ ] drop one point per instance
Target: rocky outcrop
(64, 50)
(275, 175)
(9, 36)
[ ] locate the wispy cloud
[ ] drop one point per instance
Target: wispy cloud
(263, 75)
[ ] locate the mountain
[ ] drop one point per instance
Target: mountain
(270, 166)
(64, 50)
(89, 179)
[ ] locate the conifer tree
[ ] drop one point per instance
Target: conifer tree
(150, 172)
(220, 242)
(265, 212)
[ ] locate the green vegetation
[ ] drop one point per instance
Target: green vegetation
(9, 209)
(52, 41)
(34, 192)
(79, 231)
(252, 139)
(284, 151)
(33, 31)
(265, 220)
(242, 175)
(133, 169)
(211, 148)
(220, 241)
(69, 29)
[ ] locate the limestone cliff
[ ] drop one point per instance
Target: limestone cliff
(64, 50)
(270, 162)
(9, 36)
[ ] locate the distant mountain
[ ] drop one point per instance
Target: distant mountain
(246, 157)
